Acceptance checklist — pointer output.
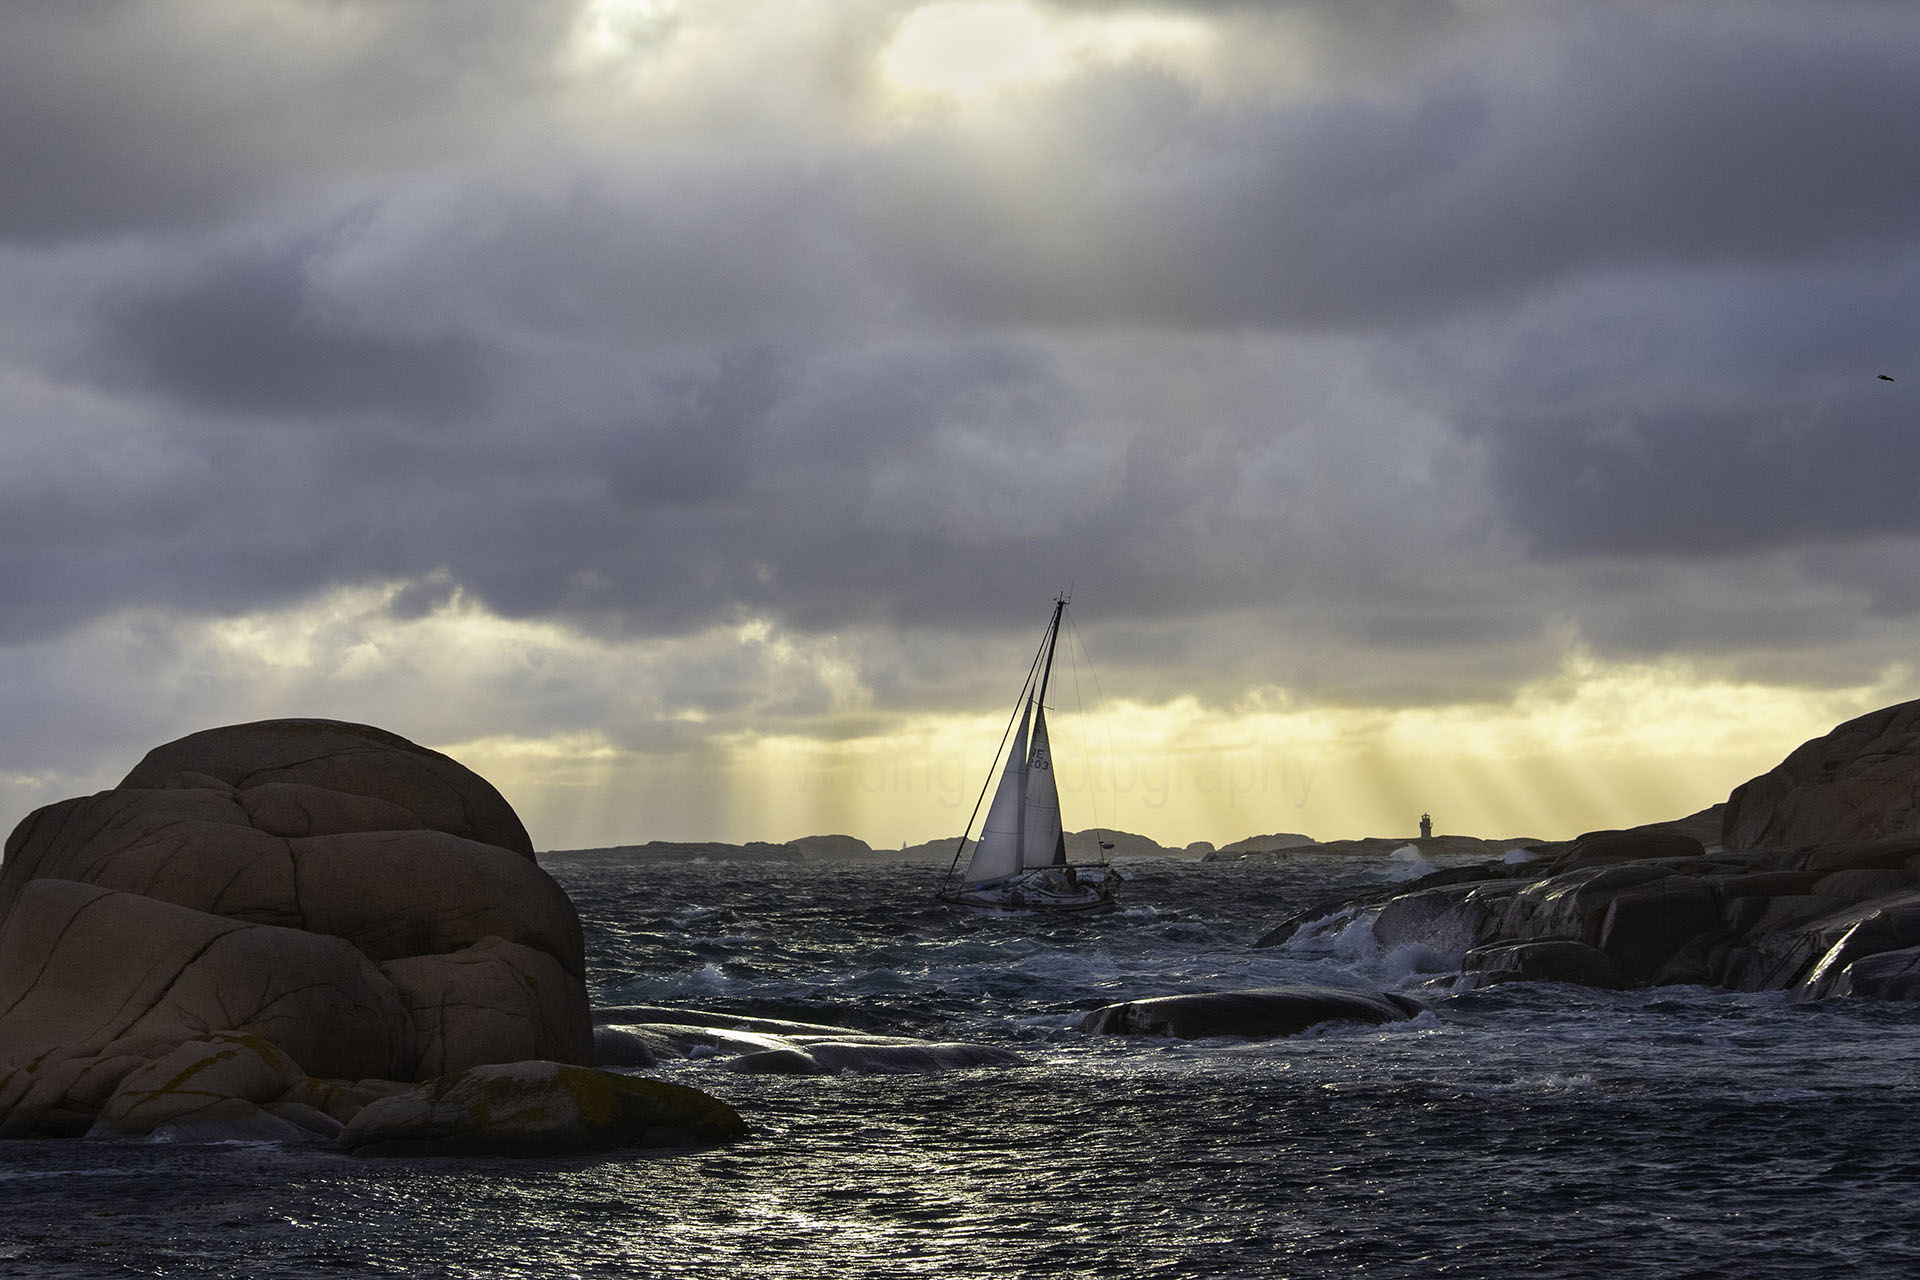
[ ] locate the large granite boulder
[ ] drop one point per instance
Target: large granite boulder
(367, 907)
(1857, 783)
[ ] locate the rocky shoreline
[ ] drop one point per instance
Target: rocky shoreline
(1812, 886)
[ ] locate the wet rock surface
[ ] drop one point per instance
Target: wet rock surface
(1261, 1013)
(1555, 960)
(538, 1109)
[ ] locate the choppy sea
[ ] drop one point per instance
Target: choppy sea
(1519, 1130)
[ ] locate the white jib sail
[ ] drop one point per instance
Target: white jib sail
(998, 853)
(1040, 832)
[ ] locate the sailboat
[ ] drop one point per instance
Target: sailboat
(1020, 862)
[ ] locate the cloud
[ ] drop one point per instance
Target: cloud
(244, 337)
(126, 119)
(1653, 138)
(1379, 355)
(1702, 413)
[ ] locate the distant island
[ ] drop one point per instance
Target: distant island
(1082, 846)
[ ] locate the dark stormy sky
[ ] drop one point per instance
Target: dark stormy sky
(684, 411)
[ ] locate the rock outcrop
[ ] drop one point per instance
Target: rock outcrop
(1859, 782)
(1747, 921)
(1813, 886)
(1262, 1013)
(336, 899)
(538, 1109)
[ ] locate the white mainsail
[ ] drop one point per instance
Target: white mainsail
(999, 851)
(1041, 842)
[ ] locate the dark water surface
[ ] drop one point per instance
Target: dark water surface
(1523, 1130)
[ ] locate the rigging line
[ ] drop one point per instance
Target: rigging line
(1004, 735)
(1086, 755)
(1100, 700)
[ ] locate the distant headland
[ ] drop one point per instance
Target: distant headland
(1082, 846)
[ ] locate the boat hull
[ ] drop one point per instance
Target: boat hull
(1052, 890)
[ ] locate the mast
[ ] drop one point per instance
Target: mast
(1053, 638)
(1043, 840)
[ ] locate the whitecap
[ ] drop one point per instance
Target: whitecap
(1347, 934)
(1408, 863)
(1413, 961)
(708, 977)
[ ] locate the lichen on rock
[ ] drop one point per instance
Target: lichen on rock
(210, 1085)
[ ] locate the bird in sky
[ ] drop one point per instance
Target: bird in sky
(1886, 377)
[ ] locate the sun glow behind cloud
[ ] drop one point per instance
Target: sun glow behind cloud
(966, 47)
(971, 49)
(1595, 746)
(609, 30)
